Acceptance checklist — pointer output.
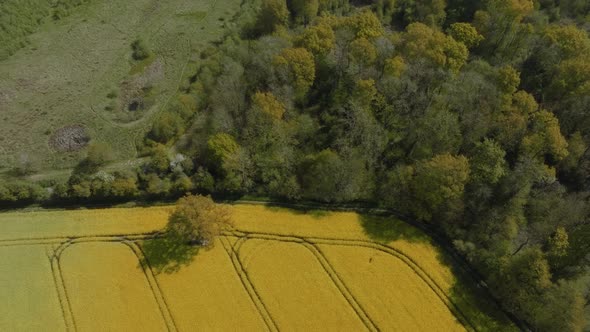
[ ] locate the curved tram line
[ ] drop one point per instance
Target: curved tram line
(248, 286)
(131, 241)
(361, 313)
(310, 242)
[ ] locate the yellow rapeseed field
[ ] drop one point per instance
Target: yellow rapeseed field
(107, 290)
(28, 297)
(342, 225)
(390, 232)
(208, 295)
(279, 269)
(390, 291)
(71, 223)
(298, 293)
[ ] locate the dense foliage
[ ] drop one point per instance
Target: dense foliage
(471, 116)
(198, 220)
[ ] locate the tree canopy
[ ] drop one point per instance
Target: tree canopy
(471, 117)
(197, 219)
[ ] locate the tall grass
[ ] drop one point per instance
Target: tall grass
(20, 18)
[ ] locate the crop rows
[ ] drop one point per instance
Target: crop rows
(371, 326)
(248, 286)
(311, 242)
(60, 288)
(232, 251)
(342, 287)
(154, 286)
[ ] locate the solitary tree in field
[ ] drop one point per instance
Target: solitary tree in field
(197, 220)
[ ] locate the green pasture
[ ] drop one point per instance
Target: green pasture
(75, 71)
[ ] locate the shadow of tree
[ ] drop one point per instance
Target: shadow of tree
(472, 299)
(388, 229)
(167, 254)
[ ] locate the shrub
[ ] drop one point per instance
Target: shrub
(98, 154)
(140, 50)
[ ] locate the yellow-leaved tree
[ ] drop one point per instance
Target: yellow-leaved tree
(421, 41)
(297, 66)
(268, 104)
(545, 138)
(198, 220)
(438, 181)
(319, 39)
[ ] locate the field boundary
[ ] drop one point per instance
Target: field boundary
(59, 239)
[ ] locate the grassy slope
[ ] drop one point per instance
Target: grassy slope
(65, 74)
(312, 225)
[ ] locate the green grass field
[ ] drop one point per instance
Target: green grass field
(69, 67)
(279, 269)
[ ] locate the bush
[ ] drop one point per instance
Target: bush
(140, 50)
(166, 127)
(98, 154)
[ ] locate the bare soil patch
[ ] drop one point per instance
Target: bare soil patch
(69, 139)
(135, 91)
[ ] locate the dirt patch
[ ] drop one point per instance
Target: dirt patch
(144, 81)
(69, 139)
(136, 92)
